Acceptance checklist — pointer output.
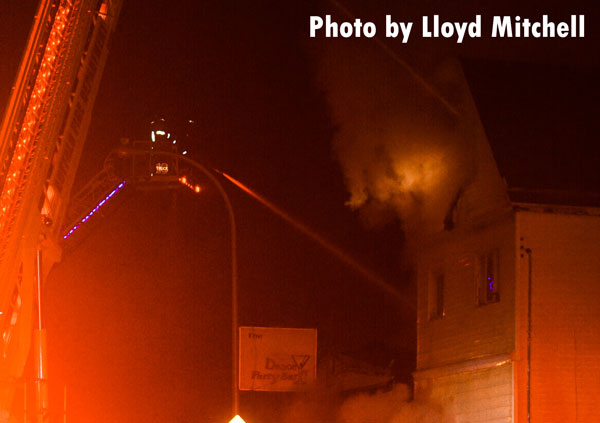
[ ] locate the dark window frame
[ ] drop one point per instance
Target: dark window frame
(488, 282)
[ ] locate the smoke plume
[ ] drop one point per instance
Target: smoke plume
(391, 407)
(394, 406)
(403, 147)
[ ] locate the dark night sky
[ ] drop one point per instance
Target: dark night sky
(138, 310)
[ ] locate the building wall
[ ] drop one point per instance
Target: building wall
(476, 392)
(464, 355)
(565, 315)
(472, 355)
(466, 329)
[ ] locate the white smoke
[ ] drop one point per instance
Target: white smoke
(394, 406)
(318, 405)
(400, 147)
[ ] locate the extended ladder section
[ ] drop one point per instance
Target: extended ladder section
(147, 165)
(41, 140)
(90, 199)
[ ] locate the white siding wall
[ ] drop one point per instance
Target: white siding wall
(482, 395)
(464, 358)
(466, 330)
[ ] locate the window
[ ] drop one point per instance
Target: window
(488, 288)
(436, 296)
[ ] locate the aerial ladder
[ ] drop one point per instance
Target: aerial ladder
(157, 163)
(41, 140)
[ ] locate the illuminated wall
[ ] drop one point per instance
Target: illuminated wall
(466, 324)
(564, 244)
(473, 317)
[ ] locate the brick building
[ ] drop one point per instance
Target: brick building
(508, 324)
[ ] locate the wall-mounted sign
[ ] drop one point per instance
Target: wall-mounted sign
(277, 359)
(162, 168)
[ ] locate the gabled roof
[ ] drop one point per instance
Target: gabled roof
(542, 125)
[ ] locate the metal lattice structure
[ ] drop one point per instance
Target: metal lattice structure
(41, 140)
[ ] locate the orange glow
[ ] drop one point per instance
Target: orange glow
(25, 153)
(196, 188)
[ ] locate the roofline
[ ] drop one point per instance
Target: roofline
(556, 209)
(554, 198)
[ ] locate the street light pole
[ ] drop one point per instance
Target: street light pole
(234, 297)
(234, 294)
